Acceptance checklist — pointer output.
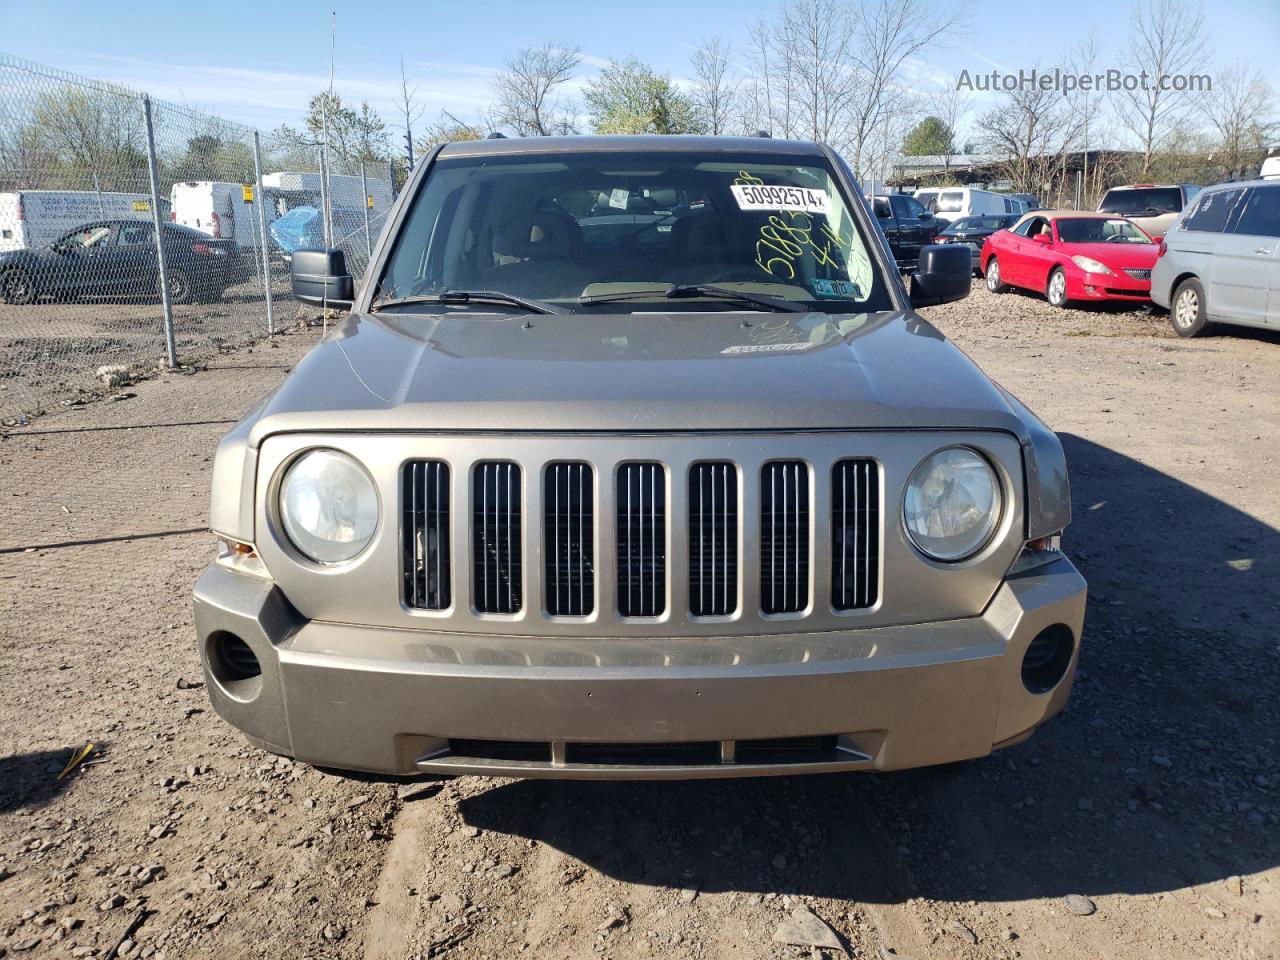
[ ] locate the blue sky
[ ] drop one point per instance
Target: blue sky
(259, 62)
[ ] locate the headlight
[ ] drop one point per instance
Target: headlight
(1090, 265)
(328, 506)
(952, 504)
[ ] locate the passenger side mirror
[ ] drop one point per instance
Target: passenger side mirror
(320, 278)
(942, 275)
(1043, 238)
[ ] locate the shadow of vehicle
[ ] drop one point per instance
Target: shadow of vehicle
(1162, 773)
(30, 780)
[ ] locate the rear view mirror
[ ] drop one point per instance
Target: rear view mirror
(942, 275)
(320, 278)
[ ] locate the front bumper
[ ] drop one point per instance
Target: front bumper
(399, 701)
(1113, 286)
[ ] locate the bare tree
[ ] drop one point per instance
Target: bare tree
(819, 36)
(527, 91)
(1240, 112)
(1084, 106)
(1030, 131)
(949, 105)
(714, 95)
(1167, 39)
(447, 128)
(406, 101)
(885, 34)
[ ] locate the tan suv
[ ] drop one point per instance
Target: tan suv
(1153, 207)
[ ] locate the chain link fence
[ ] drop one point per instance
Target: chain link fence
(137, 234)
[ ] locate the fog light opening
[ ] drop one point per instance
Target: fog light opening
(231, 659)
(1047, 658)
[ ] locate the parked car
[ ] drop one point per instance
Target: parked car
(956, 203)
(1220, 263)
(1029, 201)
(907, 226)
(1153, 207)
(1071, 255)
(30, 219)
(118, 258)
(702, 503)
(973, 232)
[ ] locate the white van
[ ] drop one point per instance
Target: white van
(1271, 168)
(36, 218)
(952, 203)
(218, 208)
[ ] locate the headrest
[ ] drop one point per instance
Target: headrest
(540, 235)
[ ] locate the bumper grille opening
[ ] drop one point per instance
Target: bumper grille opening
(535, 751)
(787, 749)
(497, 549)
(568, 539)
(644, 754)
(232, 659)
(784, 536)
(713, 539)
(1047, 658)
(855, 534)
(642, 539)
(426, 535)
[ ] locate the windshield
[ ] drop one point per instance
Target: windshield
(1097, 230)
(1142, 200)
(626, 227)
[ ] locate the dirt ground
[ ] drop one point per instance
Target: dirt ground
(1156, 795)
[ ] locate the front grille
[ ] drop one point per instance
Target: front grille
(425, 499)
(784, 536)
(495, 520)
(568, 532)
(713, 539)
(855, 547)
(642, 538)
(1137, 274)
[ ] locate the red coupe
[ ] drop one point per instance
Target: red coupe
(1071, 255)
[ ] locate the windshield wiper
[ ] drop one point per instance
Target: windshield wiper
(682, 290)
(471, 296)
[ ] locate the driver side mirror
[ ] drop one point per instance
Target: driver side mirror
(924, 216)
(320, 278)
(943, 274)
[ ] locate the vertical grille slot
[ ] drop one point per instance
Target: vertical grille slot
(642, 539)
(495, 513)
(784, 536)
(425, 504)
(568, 534)
(713, 539)
(855, 534)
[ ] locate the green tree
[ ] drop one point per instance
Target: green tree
(355, 133)
(929, 138)
(629, 97)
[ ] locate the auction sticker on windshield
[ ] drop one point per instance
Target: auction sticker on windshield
(752, 196)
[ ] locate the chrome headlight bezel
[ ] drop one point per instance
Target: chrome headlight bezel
(985, 532)
(302, 542)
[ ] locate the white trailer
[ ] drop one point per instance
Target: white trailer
(219, 209)
(36, 218)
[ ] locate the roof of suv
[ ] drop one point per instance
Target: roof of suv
(621, 144)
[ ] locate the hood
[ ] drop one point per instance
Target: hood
(634, 373)
(1121, 255)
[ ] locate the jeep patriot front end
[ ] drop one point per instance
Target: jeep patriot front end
(632, 459)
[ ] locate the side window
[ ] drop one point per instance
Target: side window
(900, 209)
(133, 233)
(1212, 211)
(882, 208)
(914, 208)
(1260, 215)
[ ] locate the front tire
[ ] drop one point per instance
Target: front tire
(17, 288)
(1055, 290)
(994, 283)
(1186, 310)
